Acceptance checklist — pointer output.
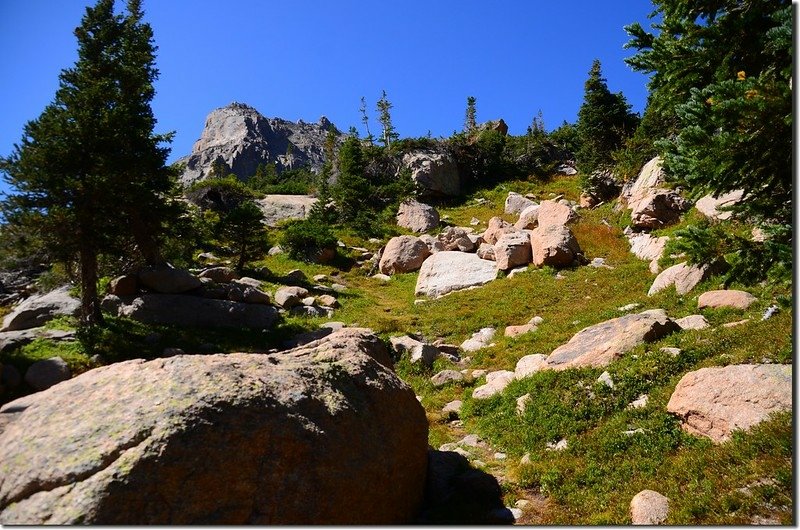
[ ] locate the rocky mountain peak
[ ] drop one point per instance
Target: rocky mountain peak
(242, 138)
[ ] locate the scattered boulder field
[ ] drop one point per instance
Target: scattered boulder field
(219, 438)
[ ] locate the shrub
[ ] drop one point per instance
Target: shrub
(307, 239)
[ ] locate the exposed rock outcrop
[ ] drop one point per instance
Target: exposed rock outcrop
(277, 208)
(240, 137)
(434, 172)
(713, 402)
(602, 343)
(306, 436)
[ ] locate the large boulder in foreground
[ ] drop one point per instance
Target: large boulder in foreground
(39, 309)
(191, 311)
(602, 343)
(713, 402)
(322, 434)
(403, 254)
(448, 271)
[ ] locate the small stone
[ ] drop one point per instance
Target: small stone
(649, 507)
(453, 409)
(320, 278)
(327, 300)
(309, 300)
(558, 446)
(640, 402)
(525, 460)
(474, 221)
(381, 277)
(516, 512)
(496, 382)
(634, 431)
(692, 322)
(529, 365)
(419, 301)
(517, 270)
(338, 287)
(672, 351)
(599, 263)
(479, 339)
(274, 251)
(522, 403)
(629, 307)
(536, 321)
(446, 376)
(737, 323)
(605, 378)
(295, 276)
(500, 456)
(770, 312)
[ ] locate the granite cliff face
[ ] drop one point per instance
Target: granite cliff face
(242, 138)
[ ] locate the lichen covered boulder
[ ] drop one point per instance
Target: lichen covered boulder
(307, 436)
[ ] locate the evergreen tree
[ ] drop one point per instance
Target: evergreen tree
(469, 116)
(722, 75)
(89, 174)
(384, 116)
(604, 121)
(352, 190)
(242, 229)
(365, 120)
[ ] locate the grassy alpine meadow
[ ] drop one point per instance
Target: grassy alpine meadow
(612, 450)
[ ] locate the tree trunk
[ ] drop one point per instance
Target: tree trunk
(145, 239)
(90, 305)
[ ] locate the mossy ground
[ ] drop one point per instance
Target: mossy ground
(594, 479)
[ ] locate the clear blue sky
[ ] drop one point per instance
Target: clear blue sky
(302, 59)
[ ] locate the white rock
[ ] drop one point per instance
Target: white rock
(605, 378)
(529, 365)
(496, 382)
(448, 271)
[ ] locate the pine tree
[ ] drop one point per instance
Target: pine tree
(352, 190)
(385, 117)
(604, 122)
(365, 120)
(242, 229)
(721, 79)
(469, 116)
(89, 174)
